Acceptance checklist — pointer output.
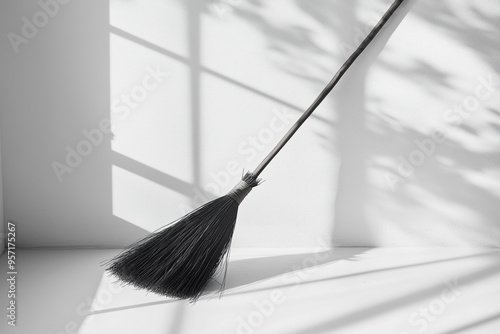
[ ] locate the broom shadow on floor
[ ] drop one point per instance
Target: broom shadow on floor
(243, 273)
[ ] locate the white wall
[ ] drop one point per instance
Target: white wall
(55, 87)
(232, 66)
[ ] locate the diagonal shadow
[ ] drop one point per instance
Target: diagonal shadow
(474, 324)
(369, 272)
(246, 272)
(173, 55)
(155, 175)
(374, 310)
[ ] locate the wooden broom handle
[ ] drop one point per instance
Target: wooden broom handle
(336, 78)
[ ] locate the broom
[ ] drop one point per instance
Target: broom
(180, 259)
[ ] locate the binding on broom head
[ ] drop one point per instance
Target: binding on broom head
(180, 259)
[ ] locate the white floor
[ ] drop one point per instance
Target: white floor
(347, 290)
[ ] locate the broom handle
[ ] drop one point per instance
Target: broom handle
(328, 87)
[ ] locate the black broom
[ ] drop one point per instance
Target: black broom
(180, 259)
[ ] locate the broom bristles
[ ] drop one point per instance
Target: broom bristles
(180, 259)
